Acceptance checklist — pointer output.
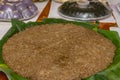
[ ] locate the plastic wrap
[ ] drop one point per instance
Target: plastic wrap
(18, 9)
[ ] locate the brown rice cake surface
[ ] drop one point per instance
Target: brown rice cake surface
(58, 52)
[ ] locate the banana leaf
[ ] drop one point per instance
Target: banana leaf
(112, 72)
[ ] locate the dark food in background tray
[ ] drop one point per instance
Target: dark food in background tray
(93, 10)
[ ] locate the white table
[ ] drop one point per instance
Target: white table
(4, 26)
(116, 13)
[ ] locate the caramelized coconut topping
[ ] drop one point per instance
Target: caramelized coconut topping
(58, 52)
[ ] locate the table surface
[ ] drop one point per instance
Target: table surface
(5, 26)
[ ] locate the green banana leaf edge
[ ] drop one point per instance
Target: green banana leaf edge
(112, 72)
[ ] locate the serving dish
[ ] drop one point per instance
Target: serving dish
(17, 9)
(95, 10)
(111, 73)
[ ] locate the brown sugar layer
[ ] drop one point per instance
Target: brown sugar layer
(58, 52)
